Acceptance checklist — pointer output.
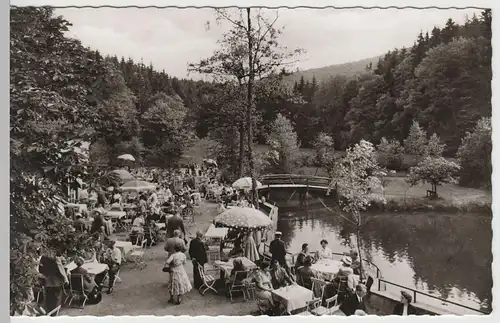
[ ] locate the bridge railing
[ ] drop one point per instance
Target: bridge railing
(295, 179)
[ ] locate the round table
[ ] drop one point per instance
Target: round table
(326, 268)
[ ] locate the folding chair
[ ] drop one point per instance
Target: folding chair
(315, 306)
(208, 282)
(317, 309)
(76, 289)
(234, 286)
(54, 311)
(138, 255)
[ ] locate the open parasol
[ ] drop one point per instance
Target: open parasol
(210, 162)
(245, 183)
(127, 157)
(243, 218)
(137, 186)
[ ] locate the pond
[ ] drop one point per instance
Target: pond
(446, 255)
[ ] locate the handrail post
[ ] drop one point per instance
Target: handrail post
(379, 282)
(414, 296)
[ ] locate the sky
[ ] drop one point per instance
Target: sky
(172, 38)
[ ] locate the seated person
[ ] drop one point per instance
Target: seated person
(88, 281)
(305, 273)
(279, 276)
(116, 206)
(238, 272)
(237, 251)
(324, 252)
(299, 262)
(263, 286)
(150, 232)
(79, 224)
(346, 275)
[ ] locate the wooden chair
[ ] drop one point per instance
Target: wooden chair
(76, 289)
(208, 281)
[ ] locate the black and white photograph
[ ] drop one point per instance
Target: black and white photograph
(250, 161)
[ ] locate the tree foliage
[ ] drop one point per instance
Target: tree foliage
(474, 155)
(356, 176)
(434, 147)
(284, 146)
(435, 171)
(390, 154)
(416, 142)
(56, 88)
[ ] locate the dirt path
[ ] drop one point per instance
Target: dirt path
(144, 292)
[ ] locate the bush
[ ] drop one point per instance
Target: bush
(390, 154)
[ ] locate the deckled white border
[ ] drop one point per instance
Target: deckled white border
(494, 4)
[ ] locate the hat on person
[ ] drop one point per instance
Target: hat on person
(347, 260)
(277, 233)
(406, 295)
(78, 215)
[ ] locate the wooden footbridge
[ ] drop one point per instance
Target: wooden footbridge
(294, 181)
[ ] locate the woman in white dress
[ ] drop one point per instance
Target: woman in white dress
(179, 283)
(324, 252)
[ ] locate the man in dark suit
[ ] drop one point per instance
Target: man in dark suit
(277, 249)
(54, 276)
(198, 254)
(175, 222)
(405, 308)
(355, 303)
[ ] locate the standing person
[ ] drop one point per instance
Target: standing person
(405, 308)
(54, 276)
(250, 248)
(179, 283)
(175, 240)
(277, 249)
(113, 259)
(101, 198)
(198, 254)
(175, 223)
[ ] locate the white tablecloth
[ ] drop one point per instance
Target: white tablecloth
(160, 225)
(216, 233)
(125, 247)
(326, 269)
(115, 214)
(293, 297)
(94, 268)
(228, 266)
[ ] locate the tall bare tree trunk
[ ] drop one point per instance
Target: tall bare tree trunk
(242, 149)
(358, 242)
(251, 79)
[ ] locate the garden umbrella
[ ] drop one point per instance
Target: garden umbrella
(123, 174)
(137, 186)
(245, 183)
(243, 218)
(127, 157)
(210, 162)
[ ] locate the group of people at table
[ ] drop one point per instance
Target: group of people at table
(344, 279)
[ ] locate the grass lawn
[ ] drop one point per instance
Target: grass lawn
(396, 188)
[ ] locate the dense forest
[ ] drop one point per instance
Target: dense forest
(442, 81)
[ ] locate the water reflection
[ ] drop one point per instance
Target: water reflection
(446, 255)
